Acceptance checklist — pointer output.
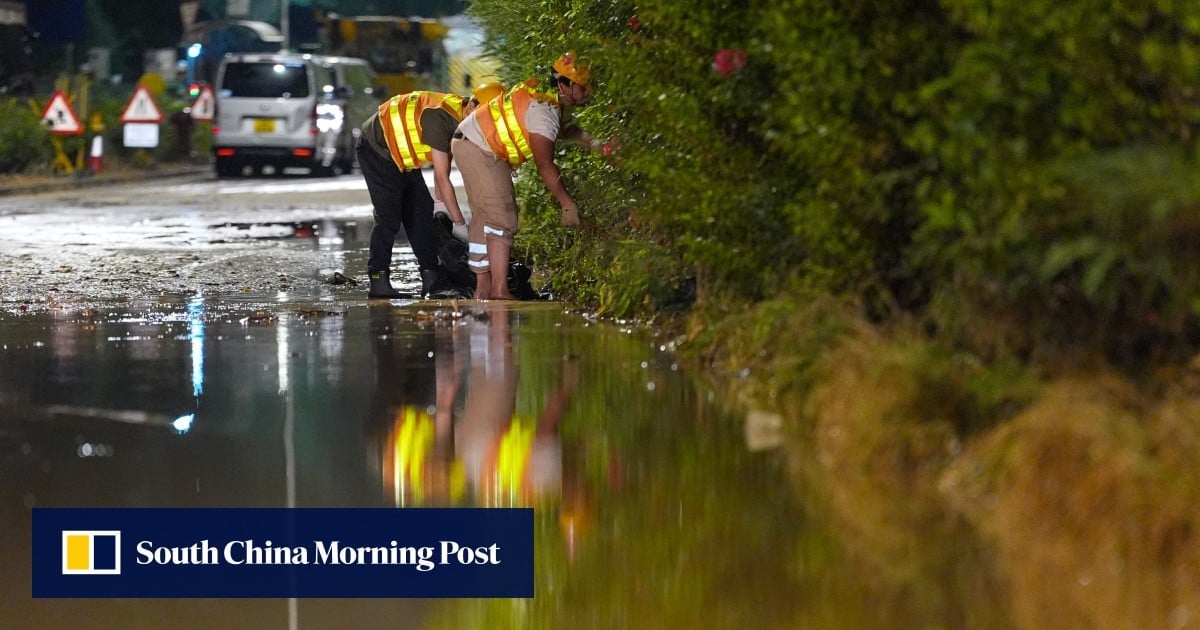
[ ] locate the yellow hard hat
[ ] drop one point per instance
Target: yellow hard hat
(485, 92)
(569, 66)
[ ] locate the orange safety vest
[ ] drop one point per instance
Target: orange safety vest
(400, 117)
(505, 473)
(502, 122)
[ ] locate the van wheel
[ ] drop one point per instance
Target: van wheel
(227, 168)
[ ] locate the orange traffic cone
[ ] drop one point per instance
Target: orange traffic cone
(96, 157)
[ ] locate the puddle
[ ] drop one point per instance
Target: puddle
(651, 508)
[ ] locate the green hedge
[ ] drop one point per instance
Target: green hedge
(1016, 173)
(23, 141)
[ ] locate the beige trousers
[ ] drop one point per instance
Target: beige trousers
(490, 194)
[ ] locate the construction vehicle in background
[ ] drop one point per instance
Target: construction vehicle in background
(406, 52)
(467, 64)
(415, 53)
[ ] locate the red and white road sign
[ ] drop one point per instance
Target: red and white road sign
(141, 108)
(205, 105)
(60, 118)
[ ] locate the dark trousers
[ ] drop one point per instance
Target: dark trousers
(401, 200)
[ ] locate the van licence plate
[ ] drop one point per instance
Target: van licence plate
(264, 125)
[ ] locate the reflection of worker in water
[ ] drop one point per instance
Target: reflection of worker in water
(508, 459)
(413, 425)
(488, 455)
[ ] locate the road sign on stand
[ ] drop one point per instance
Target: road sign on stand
(141, 108)
(60, 118)
(141, 118)
(140, 135)
(204, 106)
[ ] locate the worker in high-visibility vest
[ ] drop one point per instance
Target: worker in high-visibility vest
(409, 132)
(522, 125)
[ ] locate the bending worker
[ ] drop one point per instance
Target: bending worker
(494, 140)
(408, 132)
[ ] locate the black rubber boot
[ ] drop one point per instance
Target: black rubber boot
(434, 285)
(381, 287)
(430, 281)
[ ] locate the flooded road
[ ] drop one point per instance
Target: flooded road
(651, 511)
(656, 504)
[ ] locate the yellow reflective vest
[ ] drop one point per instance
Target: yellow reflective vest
(502, 121)
(400, 117)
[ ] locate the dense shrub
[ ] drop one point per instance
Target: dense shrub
(24, 144)
(980, 164)
(1061, 144)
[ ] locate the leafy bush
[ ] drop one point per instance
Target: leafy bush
(937, 158)
(1111, 259)
(1060, 144)
(24, 144)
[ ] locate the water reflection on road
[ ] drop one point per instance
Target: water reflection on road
(650, 510)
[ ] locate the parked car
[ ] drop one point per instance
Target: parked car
(350, 95)
(288, 110)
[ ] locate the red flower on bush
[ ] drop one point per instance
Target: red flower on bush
(635, 24)
(729, 60)
(631, 218)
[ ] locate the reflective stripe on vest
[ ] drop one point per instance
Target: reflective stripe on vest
(504, 124)
(504, 476)
(400, 117)
(413, 439)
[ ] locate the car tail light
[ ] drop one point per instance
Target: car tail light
(224, 152)
(302, 153)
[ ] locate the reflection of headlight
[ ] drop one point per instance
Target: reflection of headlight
(330, 117)
(88, 449)
(183, 424)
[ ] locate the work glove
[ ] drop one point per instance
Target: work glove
(570, 217)
(457, 231)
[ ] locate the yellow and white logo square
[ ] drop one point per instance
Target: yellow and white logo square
(91, 552)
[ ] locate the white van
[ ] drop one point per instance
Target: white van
(287, 110)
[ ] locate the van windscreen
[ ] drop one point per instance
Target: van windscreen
(265, 80)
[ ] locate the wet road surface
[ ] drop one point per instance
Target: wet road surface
(185, 236)
(181, 345)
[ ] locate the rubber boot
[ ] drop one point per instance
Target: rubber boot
(434, 286)
(381, 287)
(431, 283)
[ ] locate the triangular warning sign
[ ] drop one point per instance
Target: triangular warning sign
(141, 108)
(204, 106)
(60, 118)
